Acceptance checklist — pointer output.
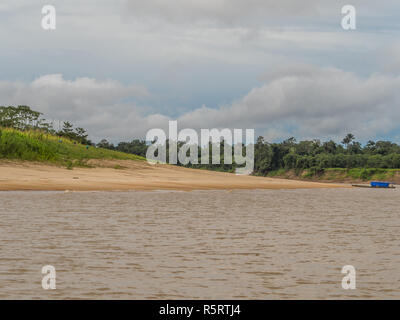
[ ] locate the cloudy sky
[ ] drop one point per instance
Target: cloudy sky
(285, 68)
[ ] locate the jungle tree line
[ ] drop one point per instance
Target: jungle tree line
(289, 154)
(293, 155)
(24, 118)
(317, 155)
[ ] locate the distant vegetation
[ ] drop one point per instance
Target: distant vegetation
(136, 146)
(25, 136)
(317, 156)
(23, 118)
(305, 159)
(340, 174)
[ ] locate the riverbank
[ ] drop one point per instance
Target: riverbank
(340, 175)
(110, 175)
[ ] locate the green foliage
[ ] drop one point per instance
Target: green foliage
(339, 174)
(310, 158)
(27, 145)
(23, 118)
(262, 156)
(25, 135)
(36, 145)
(78, 135)
(348, 139)
(136, 146)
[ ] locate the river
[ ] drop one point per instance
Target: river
(254, 244)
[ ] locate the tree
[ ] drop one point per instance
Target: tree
(385, 147)
(81, 136)
(348, 139)
(262, 156)
(105, 144)
(355, 148)
(67, 130)
(329, 147)
(21, 118)
(370, 147)
(290, 160)
(136, 146)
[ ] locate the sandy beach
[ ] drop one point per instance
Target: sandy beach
(133, 175)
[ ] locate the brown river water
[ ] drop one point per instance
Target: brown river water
(254, 244)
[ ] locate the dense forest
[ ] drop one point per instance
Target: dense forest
(292, 155)
(313, 155)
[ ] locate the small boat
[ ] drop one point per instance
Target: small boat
(376, 184)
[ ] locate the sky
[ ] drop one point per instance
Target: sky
(284, 68)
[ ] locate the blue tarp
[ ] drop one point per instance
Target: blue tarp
(380, 184)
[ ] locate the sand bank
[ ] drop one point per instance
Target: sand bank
(134, 175)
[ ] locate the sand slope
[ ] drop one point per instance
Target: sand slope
(135, 175)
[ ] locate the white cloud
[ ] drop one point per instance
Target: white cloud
(218, 11)
(308, 102)
(248, 12)
(193, 51)
(390, 57)
(311, 102)
(105, 108)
